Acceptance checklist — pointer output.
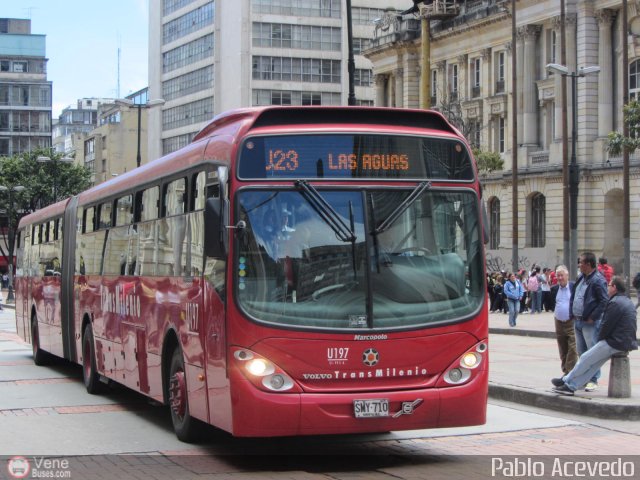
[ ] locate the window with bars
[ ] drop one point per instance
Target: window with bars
(538, 220)
(494, 223)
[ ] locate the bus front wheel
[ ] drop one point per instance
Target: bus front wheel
(90, 374)
(187, 428)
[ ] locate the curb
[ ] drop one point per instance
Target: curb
(523, 333)
(575, 405)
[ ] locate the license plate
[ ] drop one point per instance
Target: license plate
(378, 407)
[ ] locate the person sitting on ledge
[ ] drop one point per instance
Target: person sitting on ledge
(618, 334)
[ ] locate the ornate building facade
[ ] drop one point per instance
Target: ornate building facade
(470, 77)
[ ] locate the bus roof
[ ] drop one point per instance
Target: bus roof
(51, 211)
(312, 115)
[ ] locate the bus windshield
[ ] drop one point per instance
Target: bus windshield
(359, 259)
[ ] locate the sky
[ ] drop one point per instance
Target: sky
(82, 41)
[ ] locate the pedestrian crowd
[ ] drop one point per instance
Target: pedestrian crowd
(594, 319)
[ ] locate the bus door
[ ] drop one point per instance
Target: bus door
(214, 287)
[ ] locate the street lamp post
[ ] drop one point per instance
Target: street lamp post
(54, 161)
(10, 240)
(139, 106)
(574, 169)
(351, 65)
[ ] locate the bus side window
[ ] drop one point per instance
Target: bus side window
(147, 206)
(88, 222)
(172, 229)
(105, 215)
(195, 234)
(124, 211)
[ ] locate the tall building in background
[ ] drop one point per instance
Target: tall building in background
(206, 57)
(68, 130)
(25, 93)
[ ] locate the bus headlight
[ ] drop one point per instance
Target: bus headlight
(462, 369)
(470, 360)
(263, 373)
(259, 367)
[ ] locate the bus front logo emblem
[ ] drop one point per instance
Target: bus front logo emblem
(370, 357)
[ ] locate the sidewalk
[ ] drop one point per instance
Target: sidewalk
(523, 359)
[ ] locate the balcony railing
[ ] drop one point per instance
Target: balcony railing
(500, 86)
(475, 91)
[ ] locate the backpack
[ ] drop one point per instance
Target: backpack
(636, 281)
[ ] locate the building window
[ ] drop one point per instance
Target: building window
(187, 23)
(296, 69)
(501, 135)
(500, 72)
(634, 80)
(476, 73)
(293, 97)
(305, 37)
(494, 223)
(538, 220)
(299, 8)
(454, 82)
(434, 87)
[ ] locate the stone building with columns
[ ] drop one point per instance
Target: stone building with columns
(470, 73)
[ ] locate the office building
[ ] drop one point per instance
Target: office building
(25, 92)
(206, 57)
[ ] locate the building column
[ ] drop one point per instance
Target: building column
(381, 81)
(529, 98)
(605, 82)
(399, 99)
(411, 79)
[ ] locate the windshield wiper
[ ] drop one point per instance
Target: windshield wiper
(326, 212)
(406, 203)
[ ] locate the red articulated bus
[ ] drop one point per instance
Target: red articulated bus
(292, 271)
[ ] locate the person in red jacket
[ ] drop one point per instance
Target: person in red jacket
(605, 269)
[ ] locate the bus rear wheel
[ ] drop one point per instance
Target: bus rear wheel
(187, 428)
(90, 375)
(40, 357)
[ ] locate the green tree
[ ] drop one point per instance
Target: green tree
(43, 183)
(488, 161)
(617, 141)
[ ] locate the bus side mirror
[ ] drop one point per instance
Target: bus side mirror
(213, 231)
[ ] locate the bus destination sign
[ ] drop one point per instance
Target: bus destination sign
(354, 156)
